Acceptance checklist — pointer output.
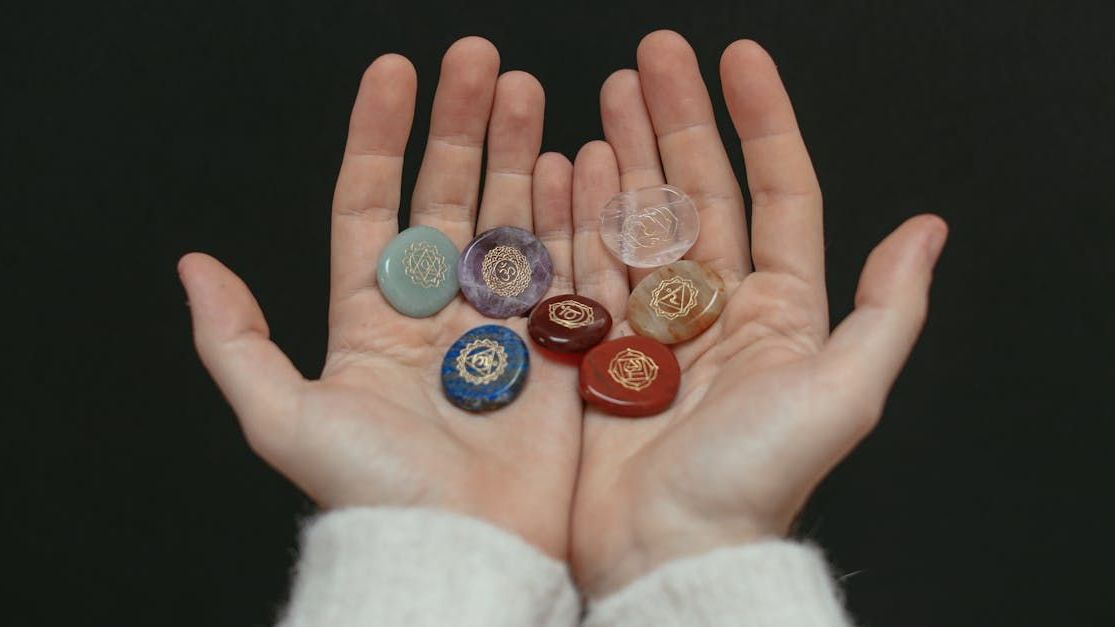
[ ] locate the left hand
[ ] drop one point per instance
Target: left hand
(769, 401)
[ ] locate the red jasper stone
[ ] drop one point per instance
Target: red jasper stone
(630, 376)
(569, 323)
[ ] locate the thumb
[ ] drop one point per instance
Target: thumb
(231, 337)
(872, 344)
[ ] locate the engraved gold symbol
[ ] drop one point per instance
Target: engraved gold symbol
(571, 314)
(673, 297)
(481, 361)
(632, 369)
(424, 265)
(506, 271)
(651, 227)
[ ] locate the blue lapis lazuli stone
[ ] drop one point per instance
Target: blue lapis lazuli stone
(485, 369)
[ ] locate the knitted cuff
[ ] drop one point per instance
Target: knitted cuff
(394, 566)
(768, 584)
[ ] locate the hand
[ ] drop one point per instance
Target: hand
(375, 429)
(769, 401)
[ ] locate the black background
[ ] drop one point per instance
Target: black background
(138, 131)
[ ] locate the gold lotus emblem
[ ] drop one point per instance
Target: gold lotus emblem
(424, 265)
(506, 271)
(482, 361)
(673, 297)
(653, 226)
(571, 314)
(632, 369)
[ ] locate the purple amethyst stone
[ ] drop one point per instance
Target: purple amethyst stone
(503, 272)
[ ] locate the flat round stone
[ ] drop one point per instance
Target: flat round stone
(569, 323)
(417, 271)
(630, 376)
(649, 227)
(504, 271)
(677, 302)
(485, 369)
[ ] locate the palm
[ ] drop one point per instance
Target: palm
(374, 429)
(749, 389)
(378, 412)
(768, 401)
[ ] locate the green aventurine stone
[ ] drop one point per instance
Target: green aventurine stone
(417, 272)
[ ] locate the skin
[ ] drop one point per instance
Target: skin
(770, 400)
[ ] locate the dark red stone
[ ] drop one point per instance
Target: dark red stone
(569, 323)
(630, 376)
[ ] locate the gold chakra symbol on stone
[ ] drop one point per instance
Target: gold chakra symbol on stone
(632, 369)
(481, 361)
(655, 225)
(424, 265)
(673, 297)
(571, 314)
(506, 271)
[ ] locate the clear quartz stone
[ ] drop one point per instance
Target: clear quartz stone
(649, 227)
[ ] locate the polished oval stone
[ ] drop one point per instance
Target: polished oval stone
(649, 227)
(569, 323)
(676, 302)
(485, 368)
(504, 271)
(630, 376)
(417, 271)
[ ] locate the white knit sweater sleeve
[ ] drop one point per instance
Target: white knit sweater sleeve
(389, 566)
(768, 584)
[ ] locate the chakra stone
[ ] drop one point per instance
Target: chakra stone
(569, 323)
(485, 368)
(630, 376)
(649, 227)
(677, 302)
(504, 271)
(417, 272)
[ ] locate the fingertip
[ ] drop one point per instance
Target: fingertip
(665, 53)
(617, 86)
(936, 234)
(473, 51)
(520, 98)
(194, 264)
(744, 52)
(520, 81)
(553, 166)
(663, 43)
(392, 67)
(593, 152)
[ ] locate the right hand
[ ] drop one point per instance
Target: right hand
(374, 429)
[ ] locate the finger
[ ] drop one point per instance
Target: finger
(366, 200)
(869, 348)
(693, 156)
(514, 138)
(448, 182)
(787, 225)
(627, 127)
(232, 339)
(553, 216)
(596, 273)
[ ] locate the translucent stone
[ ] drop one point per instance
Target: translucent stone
(649, 227)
